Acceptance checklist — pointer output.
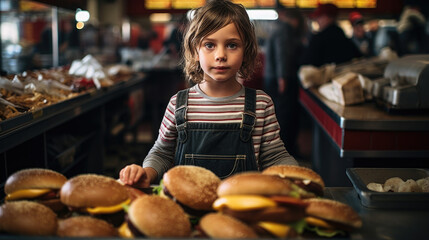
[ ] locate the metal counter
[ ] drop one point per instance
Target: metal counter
(363, 135)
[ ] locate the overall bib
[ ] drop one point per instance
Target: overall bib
(223, 148)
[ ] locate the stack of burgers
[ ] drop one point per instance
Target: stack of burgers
(45, 203)
(186, 194)
(282, 201)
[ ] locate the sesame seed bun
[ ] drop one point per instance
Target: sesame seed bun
(334, 211)
(217, 225)
(34, 178)
(156, 216)
(27, 218)
(85, 226)
(91, 190)
(253, 183)
(295, 172)
(305, 178)
(192, 186)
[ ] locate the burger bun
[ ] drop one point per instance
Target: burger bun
(333, 211)
(92, 190)
(85, 226)
(27, 218)
(155, 216)
(34, 178)
(217, 225)
(192, 186)
(253, 183)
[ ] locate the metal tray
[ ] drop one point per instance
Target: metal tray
(360, 177)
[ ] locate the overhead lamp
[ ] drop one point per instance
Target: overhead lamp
(80, 25)
(160, 17)
(82, 15)
(254, 14)
(262, 14)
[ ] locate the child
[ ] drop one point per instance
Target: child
(217, 124)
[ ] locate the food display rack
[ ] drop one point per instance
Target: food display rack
(25, 139)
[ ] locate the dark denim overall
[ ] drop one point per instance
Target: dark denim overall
(223, 148)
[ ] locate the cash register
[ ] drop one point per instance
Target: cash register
(405, 84)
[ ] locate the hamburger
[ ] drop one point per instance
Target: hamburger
(155, 216)
(133, 193)
(267, 203)
(328, 218)
(305, 178)
(96, 195)
(36, 184)
(216, 225)
(192, 187)
(85, 226)
(27, 218)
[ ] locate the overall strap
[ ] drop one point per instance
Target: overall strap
(181, 107)
(249, 115)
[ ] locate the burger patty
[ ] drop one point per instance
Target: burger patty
(274, 214)
(188, 210)
(200, 232)
(133, 229)
(116, 218)
(309, 187)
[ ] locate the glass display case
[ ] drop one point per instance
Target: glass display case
(35, 36)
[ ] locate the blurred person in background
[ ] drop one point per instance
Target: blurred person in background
(146, 35)
(360, 37)
(283, 48)
(411, 29)
(330, 44)
(68, 45)
(175, 41)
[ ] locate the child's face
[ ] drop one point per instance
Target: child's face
(221, 54)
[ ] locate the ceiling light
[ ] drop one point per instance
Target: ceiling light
(262, 14)
(160, 17)
(82, 15)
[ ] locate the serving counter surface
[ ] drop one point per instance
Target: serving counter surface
(366, 116)
(377, 223)
(363, 135)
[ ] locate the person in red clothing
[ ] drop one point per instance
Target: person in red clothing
(330, 44)
(360, 37)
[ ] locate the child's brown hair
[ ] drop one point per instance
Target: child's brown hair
(208, 19)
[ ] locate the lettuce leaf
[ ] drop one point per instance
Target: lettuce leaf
(299, 226)
(325, 233)
(126, 207)
(158, 189)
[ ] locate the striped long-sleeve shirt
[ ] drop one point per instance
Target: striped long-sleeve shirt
(269, 148)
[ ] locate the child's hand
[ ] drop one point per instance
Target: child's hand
(137, 176)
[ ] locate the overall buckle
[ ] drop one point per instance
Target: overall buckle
(252, 116)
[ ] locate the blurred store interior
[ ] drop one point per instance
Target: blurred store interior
(143, 35)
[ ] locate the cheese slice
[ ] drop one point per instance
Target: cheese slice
(124, 231)
(26, 194)
(318, 222)
(243, 202)
(277, 229)
(108, 209)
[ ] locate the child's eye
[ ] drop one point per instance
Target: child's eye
(209, 45)
(232, 45)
